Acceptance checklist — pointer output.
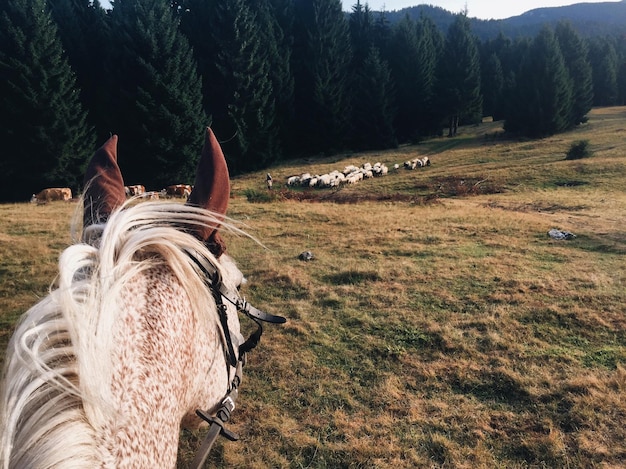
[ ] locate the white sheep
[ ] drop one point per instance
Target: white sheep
(380, 169)
(337, 178)
(305, 178)
(293, 180)
(324, 180)
(349, 169)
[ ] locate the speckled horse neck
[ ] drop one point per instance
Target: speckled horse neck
(105, 370)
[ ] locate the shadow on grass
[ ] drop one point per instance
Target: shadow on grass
(352, 277)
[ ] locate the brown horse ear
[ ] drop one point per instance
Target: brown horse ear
(104, 184)
(211, 190)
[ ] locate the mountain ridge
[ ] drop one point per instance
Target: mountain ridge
(589, 19)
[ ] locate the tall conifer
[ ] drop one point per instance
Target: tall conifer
(157, 105)
(244, 69)
(361, 24)
(83, 30)
(321, 75)
(281, 20)
(431, 43)
(621, 83)
(373, 106)
(372, 91)
(244, 64)
(542, 99)
(492, 84)
(43, 129)
(406, 64)
(604, 65)
(574, 51)
(459, 75)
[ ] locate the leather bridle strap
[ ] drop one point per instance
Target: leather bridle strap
(249, 310)
(253, 313)
(213, 280)
(216, 427)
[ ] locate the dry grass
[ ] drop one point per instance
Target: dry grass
(438, 326)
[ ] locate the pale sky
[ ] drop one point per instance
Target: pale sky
(483, 9)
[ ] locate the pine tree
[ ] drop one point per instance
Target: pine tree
(492, 85)
(574, 51)
(198, 26)
(373, 104)
(43, 129)
(459, 75)
(281, 20)
(621, 84)
(244, 68)
(381, 33)
(604, 65)
(500, 49)
(244, 64)
(361, 23)
(431, 43)
(322, 56)
(157, 107)
(83, 30)
(371, 86)
(543, 94)
(413, 64)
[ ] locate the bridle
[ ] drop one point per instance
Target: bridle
(220, 292)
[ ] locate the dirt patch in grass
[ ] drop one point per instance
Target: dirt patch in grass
(539, 206)
(459, 186)
(350, 197)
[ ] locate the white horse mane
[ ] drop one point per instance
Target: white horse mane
(48, 416)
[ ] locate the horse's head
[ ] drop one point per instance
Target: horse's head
(207, 203)
(143, 326)
(105, 193)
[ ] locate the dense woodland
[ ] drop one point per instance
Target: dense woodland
(276, 79)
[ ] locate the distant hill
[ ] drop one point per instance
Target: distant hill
(589, 19)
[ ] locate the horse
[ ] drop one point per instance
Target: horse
(139, 336)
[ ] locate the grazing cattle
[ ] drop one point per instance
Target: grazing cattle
(151, 195)
(53, 193)
(132, 191)
(178, 190)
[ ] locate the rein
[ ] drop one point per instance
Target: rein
(213, 280)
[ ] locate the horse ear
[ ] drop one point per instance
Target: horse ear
(211, 190)
(104, 184)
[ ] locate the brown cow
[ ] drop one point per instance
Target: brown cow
(178, 190)
(53, 193)
(137, 189)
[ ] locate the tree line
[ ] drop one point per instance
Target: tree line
(275, 79)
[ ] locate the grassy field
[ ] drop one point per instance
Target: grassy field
(437, 326)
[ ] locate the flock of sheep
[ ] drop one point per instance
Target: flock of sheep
(351, 174)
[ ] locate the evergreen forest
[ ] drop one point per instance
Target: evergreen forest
(275, 79)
